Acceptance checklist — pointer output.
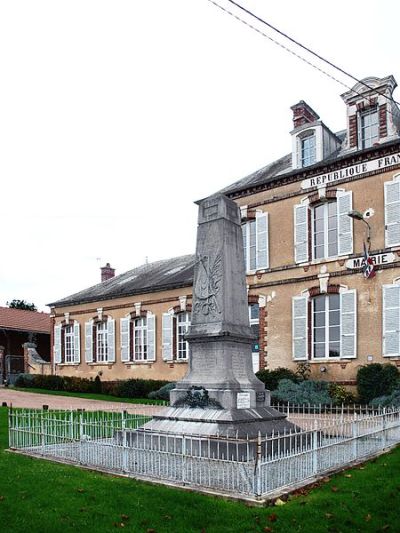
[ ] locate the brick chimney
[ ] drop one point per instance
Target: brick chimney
(107, 272)
(303, 114)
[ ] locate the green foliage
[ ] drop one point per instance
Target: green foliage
(25, 381)
(376, 380)
(271, 378)
(21, 304)
(306, 392)
(303, 370)
(163, 393)
(390, 400)
(136, 388)
(340, 395)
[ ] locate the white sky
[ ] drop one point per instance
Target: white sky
(115, 116)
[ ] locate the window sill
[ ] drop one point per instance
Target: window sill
(332, 360)
(67, 364)
(101, 364)
(138, 363)
(176, 361)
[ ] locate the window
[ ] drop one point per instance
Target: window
(255, 242)
(323, 230)
(254, 317)
(325, 326)
(325, 237)
(138, 338)
(182, 325)
(67, 343)
(392, 212)
(101, 342)
(308, 150)
(369, 128)
(391, 320)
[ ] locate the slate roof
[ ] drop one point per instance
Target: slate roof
(276, 170)
(21, 320)
(151, 277)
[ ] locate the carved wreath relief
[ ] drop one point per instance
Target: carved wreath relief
(207, 287)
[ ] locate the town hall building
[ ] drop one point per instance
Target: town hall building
(321, 234)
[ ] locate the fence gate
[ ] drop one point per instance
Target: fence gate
(13, 366)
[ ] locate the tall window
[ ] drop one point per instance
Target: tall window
(325, 234)
(254, 317)
(182, 325)
(326, 326)
(69, 344)
(369, 128)
(101, 342)
(140, 339)
(255, 242)
(308, 150)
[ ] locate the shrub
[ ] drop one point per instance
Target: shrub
(271, 378)
(136, 388)
(25, 380)
(340, 395)
(389, 400)
(163, 393)
(306, 392)
(376, 380)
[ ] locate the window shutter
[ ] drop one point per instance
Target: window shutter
(301, 233)
(125, 339)
(57, 344)
(151, 337)
(345, 223)
(348, 323)
(244, 232)
(89, 341)
(167, 353)
(391, 320)
(111, 340)
(262, 259)
(392, 213)
(299, 327)
(77, 342)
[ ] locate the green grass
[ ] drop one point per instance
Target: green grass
(91, 396)
(40, 496)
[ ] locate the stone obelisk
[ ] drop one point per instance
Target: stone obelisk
(220, 394)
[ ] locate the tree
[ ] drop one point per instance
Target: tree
(21, 304)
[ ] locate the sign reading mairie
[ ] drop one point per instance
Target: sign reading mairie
(354, 170)
(377, 259)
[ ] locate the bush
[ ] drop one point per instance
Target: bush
(25, 380)
(340, 395)
(376, 380)
(163, 393)
(271, 378)
(136, 388)
(306, 392)
(387, 401)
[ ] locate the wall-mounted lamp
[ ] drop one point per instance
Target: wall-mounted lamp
(357, 215)
(323, 369)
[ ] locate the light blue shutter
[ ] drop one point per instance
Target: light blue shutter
(167, 353)
(392, 213)
(391, 320)
(262, 257)
(348, 322)
(57, 344)
(301, 233)
(151, 337)
(244, 232)
(77, 342)
(89, 341)
(344, 223)
(125, 339)
(300, 327)
(110, 340)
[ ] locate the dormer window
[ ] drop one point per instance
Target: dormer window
(308, 150)
(369, 128)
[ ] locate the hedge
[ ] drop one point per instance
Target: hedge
(376, 380)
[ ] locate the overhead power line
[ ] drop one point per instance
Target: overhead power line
(297, 43)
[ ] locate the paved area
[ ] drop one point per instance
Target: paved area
(35, 400)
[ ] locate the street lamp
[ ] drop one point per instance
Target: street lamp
(357, 215)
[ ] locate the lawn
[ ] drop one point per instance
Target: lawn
(91, 396)
(40, 496)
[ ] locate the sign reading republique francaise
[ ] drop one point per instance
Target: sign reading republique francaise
(354, 170)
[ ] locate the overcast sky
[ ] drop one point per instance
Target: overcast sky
(115, 116)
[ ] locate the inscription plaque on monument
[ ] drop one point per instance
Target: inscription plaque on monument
(243, 400)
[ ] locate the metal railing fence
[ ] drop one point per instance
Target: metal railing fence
(248, 467)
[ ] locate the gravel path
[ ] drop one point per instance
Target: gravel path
(35, 400)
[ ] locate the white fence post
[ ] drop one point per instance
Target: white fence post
(354, 435)
(124, 443)
(384, 428)
(315, 448)
(257, 468)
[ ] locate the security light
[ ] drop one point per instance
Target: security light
(356, 214)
